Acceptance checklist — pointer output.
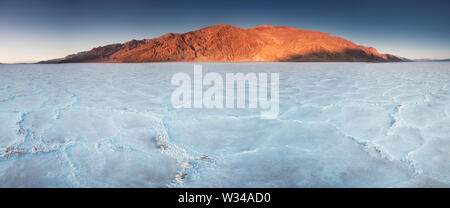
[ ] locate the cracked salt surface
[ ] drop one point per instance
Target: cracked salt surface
(112, 125)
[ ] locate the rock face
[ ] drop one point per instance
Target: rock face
(226, 43)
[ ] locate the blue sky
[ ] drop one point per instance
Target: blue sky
(45, 29)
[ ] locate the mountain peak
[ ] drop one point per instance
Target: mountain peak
(265, 26)
(222, 26)
(227, 43)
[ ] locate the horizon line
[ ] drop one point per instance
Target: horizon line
(262, 25)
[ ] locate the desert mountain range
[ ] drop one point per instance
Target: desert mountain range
(226, 43)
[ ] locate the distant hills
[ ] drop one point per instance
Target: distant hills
(431, 60)
(226, 43)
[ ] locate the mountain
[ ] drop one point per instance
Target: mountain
(226, 43)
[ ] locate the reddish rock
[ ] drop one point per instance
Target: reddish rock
(226, 43)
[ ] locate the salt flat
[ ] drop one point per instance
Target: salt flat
(112, 125)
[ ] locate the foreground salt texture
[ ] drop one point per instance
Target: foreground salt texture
(112, 125)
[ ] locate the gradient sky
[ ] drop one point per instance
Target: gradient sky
(34, 30)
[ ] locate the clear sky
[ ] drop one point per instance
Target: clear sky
(34, 30)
